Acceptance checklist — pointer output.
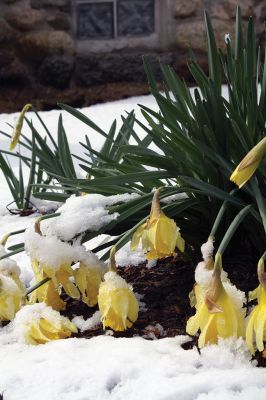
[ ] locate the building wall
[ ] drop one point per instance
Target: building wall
(39, 50)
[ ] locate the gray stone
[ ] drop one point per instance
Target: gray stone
(7, 34)
(12, 70)
(192, 34)
(226, 9)
(185, 8)
(95, 69)
(60, 21)
(56, 71)
(60, 4)
(8, 1)
(37, 45)
(24, 19)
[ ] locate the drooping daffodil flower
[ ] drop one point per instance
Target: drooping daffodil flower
(12, 290)
(160, 235)
(39, 324)
(88, 277)
(47, 293)
(9, 267)
(117, 303)
(249, 164)
(218, 312)
(11, 298)
(256, 326)
(52, 258)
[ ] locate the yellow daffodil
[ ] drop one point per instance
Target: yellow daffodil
(117, 303)
(257, 320)
(61, 275)
(46, 293)
(18, 126)
(39, 324)
(249, 164)
(217, 314)
(160, 235)
(11, 298)
(88, 279)
(9, 267)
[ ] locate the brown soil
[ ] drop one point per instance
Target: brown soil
(165, 289)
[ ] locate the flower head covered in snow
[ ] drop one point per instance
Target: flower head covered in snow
(88, 278)
(160, 236)
(60, 274)
(219, 315)
(39, 324)
(9, 267)
(117, 303)
(249, 164)
(203, 273)
(257, 319)
(12, 290)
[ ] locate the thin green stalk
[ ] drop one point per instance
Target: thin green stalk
(232, 228)
(220, 215)
(260, 202)
(31, 289)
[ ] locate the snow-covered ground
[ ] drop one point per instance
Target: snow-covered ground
(106, 368)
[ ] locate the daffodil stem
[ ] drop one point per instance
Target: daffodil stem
(220, 215)
(112, 262)
(31, 289)
(260, 202)
(232, 228)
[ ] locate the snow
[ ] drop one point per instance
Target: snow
(90, 214)
(108, 368)
(49, 250)
(88, 324)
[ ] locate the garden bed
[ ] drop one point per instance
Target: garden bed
(164, 298)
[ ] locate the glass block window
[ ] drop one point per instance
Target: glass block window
(135, 17)
(95, 20)
(98, 19)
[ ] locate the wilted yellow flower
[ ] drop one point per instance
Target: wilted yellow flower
(249, 164)
(117, 303)
(11, 298)
(217, 314)
(47, 293)
(51, 259)
(62, 277)
(9, 267)
(18, 126)
(88, 279)
(39, 324)
(160, 235)
(257, 319)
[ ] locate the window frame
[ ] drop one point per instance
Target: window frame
(154, 41)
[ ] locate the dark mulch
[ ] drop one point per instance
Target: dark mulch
(165, 289)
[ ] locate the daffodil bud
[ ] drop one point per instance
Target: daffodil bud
(249, 164)
(18, 126)
(160, 235)
(39, 324)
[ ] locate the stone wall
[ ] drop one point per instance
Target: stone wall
(40, 58)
